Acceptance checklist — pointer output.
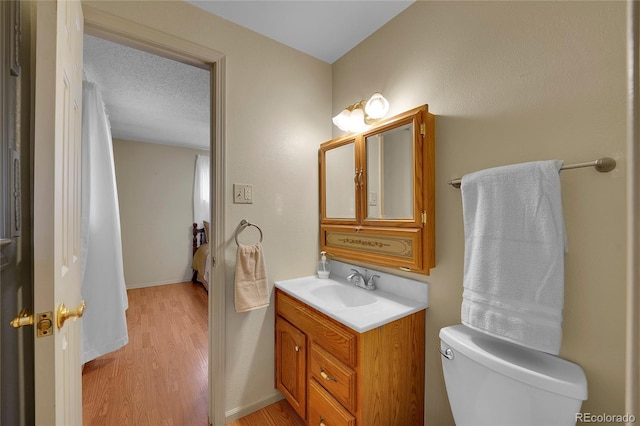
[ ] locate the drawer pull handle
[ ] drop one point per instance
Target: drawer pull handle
(326, 376)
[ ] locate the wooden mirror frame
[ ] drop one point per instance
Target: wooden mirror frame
(406, 244)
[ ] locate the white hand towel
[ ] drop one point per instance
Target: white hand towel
(251, 291)
(515, 242)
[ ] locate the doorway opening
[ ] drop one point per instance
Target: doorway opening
(140, 37)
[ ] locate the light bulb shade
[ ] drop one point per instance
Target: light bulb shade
(377, 106)
(342, 120)
(356, 120)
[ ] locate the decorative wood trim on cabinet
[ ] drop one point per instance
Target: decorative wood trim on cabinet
(374, 378)
(392, 247)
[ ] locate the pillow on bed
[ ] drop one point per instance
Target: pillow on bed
(206, 230)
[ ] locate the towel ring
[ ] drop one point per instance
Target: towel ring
(244, 224)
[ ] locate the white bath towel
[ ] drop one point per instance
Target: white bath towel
(515, 242)
(250, 289)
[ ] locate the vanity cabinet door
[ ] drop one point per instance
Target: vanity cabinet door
(291, 369)
(341, 180)
(393, 174)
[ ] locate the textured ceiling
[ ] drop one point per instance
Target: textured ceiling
(149, 98)
(153, 99)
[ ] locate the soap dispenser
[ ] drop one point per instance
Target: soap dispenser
(324, 268)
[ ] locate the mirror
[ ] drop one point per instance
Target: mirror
(340, 196)
(390, 174)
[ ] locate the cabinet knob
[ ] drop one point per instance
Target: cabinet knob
(321, 422)
(297, 348)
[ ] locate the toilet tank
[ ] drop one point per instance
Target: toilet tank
(497, 383)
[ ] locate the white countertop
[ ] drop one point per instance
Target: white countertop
(338, 299)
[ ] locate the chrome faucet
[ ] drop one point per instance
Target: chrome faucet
(363, 281)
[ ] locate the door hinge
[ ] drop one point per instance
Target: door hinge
(423, 129)
(424, 218)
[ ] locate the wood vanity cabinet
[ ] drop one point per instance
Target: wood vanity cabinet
(334, 376)
(377, 193)
(291, 350)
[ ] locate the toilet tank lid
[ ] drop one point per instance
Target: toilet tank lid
(535, 368)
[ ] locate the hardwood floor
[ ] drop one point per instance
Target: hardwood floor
(160, 376)
(278, 414)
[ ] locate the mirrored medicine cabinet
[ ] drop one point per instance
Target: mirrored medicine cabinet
(377, 200)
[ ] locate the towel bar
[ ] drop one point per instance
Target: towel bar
(604, 164)
(241, 227)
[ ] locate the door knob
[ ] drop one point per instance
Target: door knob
(65, 313)
(23, 318)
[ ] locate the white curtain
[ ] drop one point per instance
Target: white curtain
(201, 190)
(104, 324)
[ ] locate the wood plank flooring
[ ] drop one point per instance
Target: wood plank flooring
(160, 376)
(278, 414)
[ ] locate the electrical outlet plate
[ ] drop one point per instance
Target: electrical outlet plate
(242, 193)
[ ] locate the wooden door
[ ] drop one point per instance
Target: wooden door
(56, 204)
(291, 359)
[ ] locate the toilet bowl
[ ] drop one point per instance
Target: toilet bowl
(497, 383)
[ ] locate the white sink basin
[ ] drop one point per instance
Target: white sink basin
(359, 309)
(348, 297)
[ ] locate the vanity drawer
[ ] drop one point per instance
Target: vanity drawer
(334, 376)
(326, 411)
(328, 333)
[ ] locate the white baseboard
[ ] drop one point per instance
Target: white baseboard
(239, 412)
(153, 284)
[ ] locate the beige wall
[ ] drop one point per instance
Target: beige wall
(277, 111)
(513, 82)
(509, 81)
(155, 192)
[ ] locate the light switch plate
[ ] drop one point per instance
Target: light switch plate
(373, 198)
(242, 193)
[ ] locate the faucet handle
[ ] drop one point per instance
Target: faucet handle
(371, 280)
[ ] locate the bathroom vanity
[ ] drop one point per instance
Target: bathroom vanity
(348, 356)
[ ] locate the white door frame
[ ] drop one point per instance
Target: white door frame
(114, 28)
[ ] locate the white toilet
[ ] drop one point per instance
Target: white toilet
(496, 383)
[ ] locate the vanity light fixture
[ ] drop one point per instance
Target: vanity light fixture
(355, 117)
(377, 106)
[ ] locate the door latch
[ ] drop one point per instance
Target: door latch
(44, 325)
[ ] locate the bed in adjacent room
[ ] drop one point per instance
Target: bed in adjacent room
(201, 254)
